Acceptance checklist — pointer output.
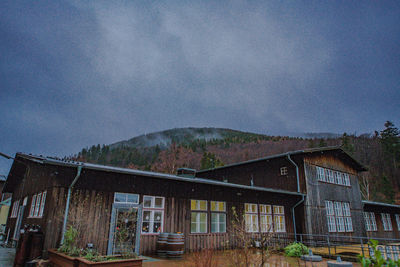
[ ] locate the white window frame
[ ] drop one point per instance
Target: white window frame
(321, 174)
(339, 178)
(37, 205)
(332, 176)
(251, 217)
(33, 205)
(126, 198)
(338, 216)
(279, 219)
(386, 221)
(284, 170)
(152, 210)
(217, 212)
(266, 220)
(346, 178)
(15, 208)
(196, 213)
(42, 203)
(397, 221)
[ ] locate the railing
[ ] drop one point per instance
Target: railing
(336, 245)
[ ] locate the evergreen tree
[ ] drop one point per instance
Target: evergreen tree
(346, 144)
(209, 161)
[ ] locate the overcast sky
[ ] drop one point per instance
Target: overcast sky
(74, 74)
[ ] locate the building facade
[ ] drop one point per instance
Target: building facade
(300, 193)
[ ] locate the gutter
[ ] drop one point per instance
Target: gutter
(78, 174)
(298, 190)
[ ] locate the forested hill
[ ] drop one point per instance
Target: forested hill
(201, 148)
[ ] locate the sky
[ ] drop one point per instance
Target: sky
(78, 73)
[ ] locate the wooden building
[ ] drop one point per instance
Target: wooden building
(309, 192)
(327, 176)
(199, 208)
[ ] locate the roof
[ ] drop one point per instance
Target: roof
(358, 166)
(67, 163)
(374, 203)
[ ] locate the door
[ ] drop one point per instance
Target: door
(18, 223)
(125, 226)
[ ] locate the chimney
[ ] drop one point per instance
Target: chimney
(186, 172)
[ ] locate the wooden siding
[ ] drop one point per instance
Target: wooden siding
(94, 193)
(265, 173)
(318, 192)
(381, 233)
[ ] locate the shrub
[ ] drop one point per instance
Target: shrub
(296, 249)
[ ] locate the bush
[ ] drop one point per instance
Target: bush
(296, 250)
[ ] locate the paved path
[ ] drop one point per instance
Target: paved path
(7, 257)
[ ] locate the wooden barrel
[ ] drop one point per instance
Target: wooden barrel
(175, 245)
(162, 244)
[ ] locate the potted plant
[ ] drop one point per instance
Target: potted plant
(92, 259)
(67, 255)
(126, 258)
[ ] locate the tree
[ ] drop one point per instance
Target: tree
(210, 161)
(346, 144)
(390, 139)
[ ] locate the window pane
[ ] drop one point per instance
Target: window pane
(193, 204)
(146, 215)
(119, 197)
(146, 227)
(157, 216)
(213, 205)
(132, 198)
(159, 202)
(147, 201)
(203, 205)
(157, 227)
(203, 228)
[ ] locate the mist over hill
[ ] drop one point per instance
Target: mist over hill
(201, 148)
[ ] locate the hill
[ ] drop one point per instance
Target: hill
(201, 148)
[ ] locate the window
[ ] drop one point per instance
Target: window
(266, 218)
(329, 175)
(333, 177)
(14, 211)
(126, 198)
(198, 222)
(284, 171)
(321, 174)
(279, 219)
(338, 216)
(386, 221)
(398, 221)
(218, 217)
(346, 179)
(153, 214)
(338, 178)
(37, 206)
(42, 204)
(33, 203)
(251, 217)
(370, 222)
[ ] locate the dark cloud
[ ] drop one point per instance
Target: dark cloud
(79, 73)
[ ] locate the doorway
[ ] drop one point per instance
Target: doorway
(125, 229)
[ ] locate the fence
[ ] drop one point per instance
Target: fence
(336, 245)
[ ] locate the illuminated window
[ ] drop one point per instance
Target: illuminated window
(198, 223)
(251, 217)
(218, 217)
(279, 219)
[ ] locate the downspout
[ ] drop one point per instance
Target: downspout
(78, 174)
(298, 190)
